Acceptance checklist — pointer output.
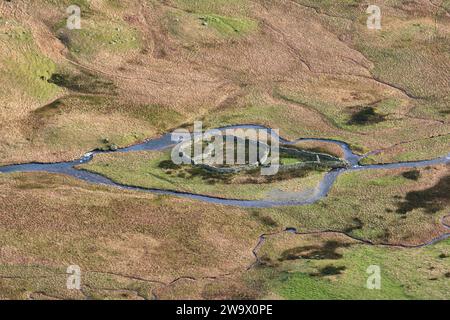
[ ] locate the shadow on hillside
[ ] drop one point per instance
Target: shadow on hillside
(329, 270)
(432, 199)
(326, 251)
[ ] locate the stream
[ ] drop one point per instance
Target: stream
(165, 142)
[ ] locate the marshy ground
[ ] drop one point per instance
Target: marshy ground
(138, 69)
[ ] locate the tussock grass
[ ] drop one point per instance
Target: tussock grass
(98, 35)
(26, 69)
(341, 274)
(376, 199)
(111, 231)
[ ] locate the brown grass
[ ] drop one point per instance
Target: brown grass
(53, 221)
(304, 69)
(295, 52)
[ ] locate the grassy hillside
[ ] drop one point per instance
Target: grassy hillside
(329, 266)
(137, 69)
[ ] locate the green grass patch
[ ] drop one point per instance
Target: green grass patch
(379, 205)
(228, 7)
(405, 273)
(97, 35)
(228, 26)
(343, 8)
(25, 69)
(421, 149)
(156, 170)
(285, 160)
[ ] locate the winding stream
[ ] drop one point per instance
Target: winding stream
(164, 142)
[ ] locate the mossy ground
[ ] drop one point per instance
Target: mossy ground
(99, 35)
(140, 68)
(405, 273)
(149, 169)
(28, 69)
(203, 23)
(116, 239)
(378, 205)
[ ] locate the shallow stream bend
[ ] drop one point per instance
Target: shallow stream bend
(165, 142)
